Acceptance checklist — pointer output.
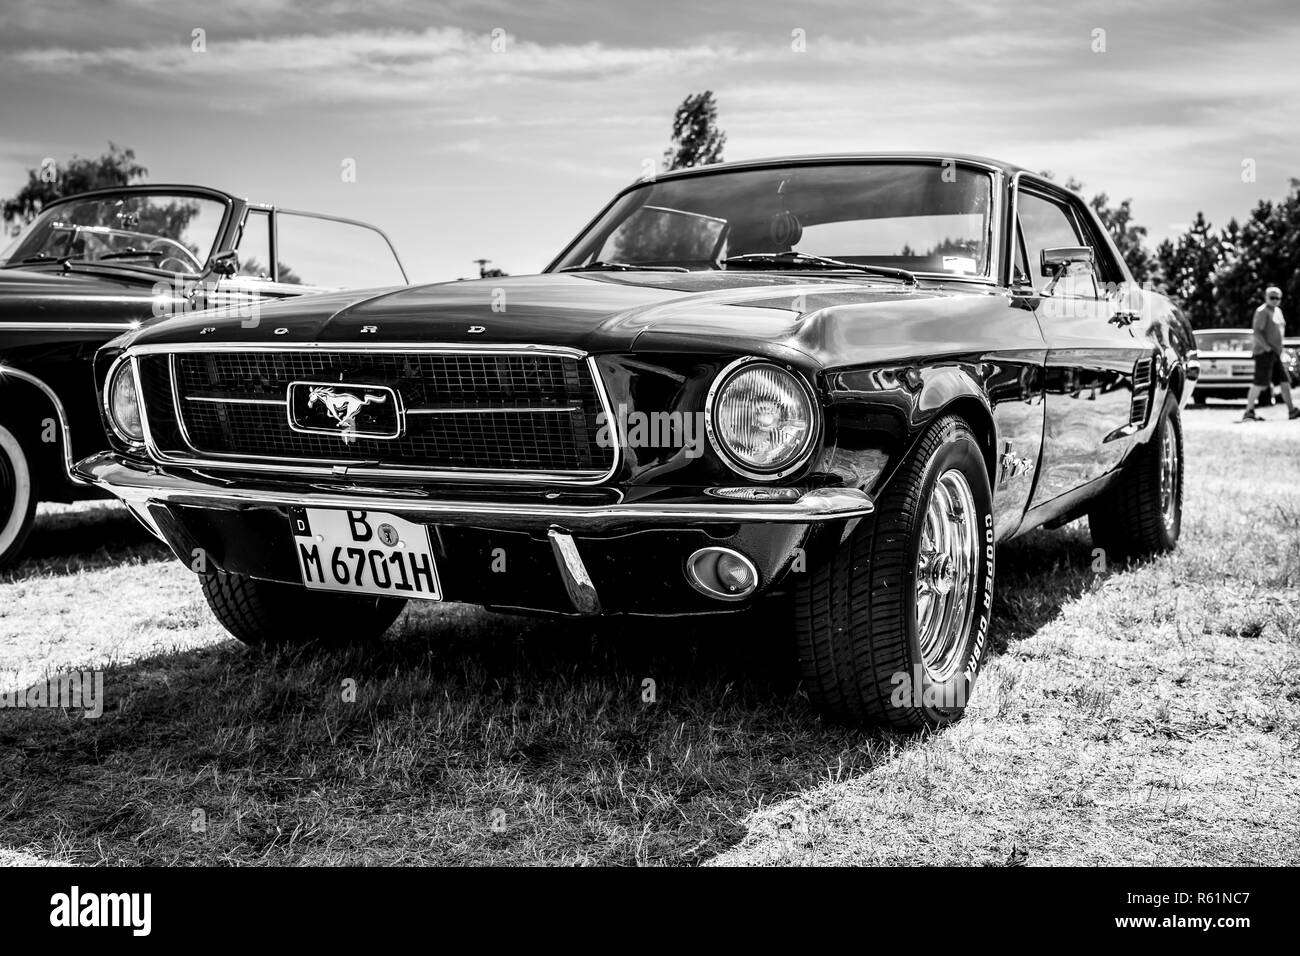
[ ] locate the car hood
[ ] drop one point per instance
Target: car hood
(593, 312)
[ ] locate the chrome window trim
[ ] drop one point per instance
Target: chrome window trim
(358, 467)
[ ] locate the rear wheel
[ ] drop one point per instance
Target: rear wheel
(1143, 514)
(891, 627)
(17, 497)
(267, 613)
(1198, 398)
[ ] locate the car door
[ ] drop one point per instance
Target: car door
(1095, 346)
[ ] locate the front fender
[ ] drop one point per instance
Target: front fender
(877, 415)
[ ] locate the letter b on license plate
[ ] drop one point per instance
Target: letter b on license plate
(364, 552)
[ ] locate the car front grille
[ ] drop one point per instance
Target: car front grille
(509, 413)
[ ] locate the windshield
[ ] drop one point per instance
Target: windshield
(1224, 341)
(922, 217)
(167, 231)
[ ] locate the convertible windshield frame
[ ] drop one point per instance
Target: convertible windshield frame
(993, 274)
(220, 238)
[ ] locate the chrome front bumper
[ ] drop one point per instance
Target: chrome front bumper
(138, 486)
(584, 552)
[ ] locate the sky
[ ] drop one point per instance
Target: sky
(493, 129)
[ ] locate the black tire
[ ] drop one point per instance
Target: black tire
(1198, 398)
(1136, 518)
(270, 614)
(856, 621)
(18, 496)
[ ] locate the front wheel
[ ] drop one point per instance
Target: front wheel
(267, 613)
(1142, 514)
(17, 497)
(892, 626)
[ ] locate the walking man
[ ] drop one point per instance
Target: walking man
(1267, 327)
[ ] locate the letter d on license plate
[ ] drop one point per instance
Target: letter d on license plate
(364, 552)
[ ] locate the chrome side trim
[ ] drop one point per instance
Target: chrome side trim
(70, 326)
(134, 484)
(582, 592)
(363, 467)
(69, 467)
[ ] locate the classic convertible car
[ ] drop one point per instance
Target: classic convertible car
(827, 386)
(90, 266)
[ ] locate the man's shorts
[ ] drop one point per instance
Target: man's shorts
(1269, 370)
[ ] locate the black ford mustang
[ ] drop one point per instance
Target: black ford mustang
(94, 265)
(830, 385)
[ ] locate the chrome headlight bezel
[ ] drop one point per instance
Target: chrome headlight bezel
(123, 366)
(729, 456)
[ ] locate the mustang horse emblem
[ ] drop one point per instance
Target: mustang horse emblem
(343, 407)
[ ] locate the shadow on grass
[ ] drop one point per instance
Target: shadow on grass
(465, 737)
(83, 537)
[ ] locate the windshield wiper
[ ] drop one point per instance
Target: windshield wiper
(802, 260)
(38, 257)
(134, 254)
(601, 265)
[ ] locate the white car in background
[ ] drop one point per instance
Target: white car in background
(1227, 365)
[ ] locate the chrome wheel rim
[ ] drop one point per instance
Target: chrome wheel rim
(946, 564)
(1169, 477)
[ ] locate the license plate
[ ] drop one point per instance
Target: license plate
(1243, 370)
(364, 552)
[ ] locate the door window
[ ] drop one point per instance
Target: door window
(1046, 224)
(254, 247)
(331, 254)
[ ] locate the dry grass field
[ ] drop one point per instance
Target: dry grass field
(1148, 714)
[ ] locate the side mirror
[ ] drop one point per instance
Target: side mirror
(1066, 261)
(224, 263)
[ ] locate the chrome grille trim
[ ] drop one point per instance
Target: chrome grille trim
(367, 467)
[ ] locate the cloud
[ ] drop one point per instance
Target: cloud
(576, 102)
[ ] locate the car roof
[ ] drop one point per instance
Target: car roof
(997, 165)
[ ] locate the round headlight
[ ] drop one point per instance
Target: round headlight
(762, 419)
(124, 404)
